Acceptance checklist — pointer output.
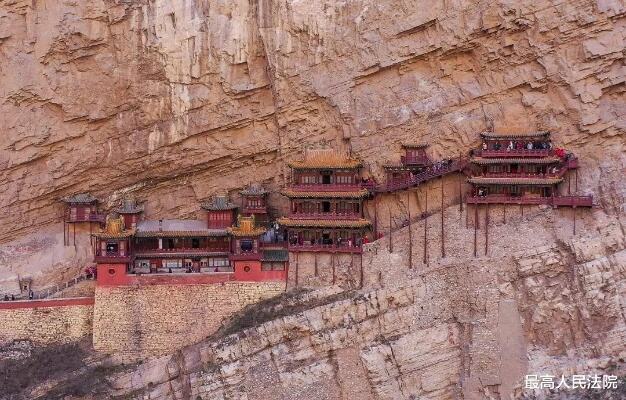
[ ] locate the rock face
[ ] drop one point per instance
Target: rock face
(174, 101)
(177, 100)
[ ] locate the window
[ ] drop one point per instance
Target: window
(112, 247)
(325, 206)
(326, 178)
(195, 243)
(246, 245)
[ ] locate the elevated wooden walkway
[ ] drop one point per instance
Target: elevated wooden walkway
(431, 172)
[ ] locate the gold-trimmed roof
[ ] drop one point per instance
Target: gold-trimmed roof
(323, 223)
(325, 159)
(246, 227)
(114, 229)
(514, 135)
(301, 194)
(416, 145)
(80, 198)
(514, 160)
(514, 181)
(218, 203)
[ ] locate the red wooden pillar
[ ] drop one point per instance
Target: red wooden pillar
(487, 229)
(408, 207)
(475, 227)
(443, 249)
(426, 228)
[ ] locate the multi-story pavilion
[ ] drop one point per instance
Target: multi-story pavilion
(521, 168)
(80, 208)
(326, 196)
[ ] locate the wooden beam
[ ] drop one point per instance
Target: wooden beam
(475, 227)
(576, 180)
(297, 261)
(390, 233)
(504, 211)
(315, 254)
(361, 267)
(426, 228)
(461, 190)
(443, 240)
(375, 217)
(487, 229)
(332, 261)
(574, 211)
(408, 207)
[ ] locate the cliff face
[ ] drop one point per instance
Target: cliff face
(176, 100)
(547, 303)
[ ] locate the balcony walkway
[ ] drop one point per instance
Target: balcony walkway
(428, 174)
(556, 201)
(326, 248)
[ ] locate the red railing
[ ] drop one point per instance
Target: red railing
(246, 256)
(331, 187)
(255, 210)
(112, 258)
(328, 215)
(514, 153)
(279, 244)
(415, 160)
(331, 248)
(85, 218)
(563, 201)
(433, 171)
(184, 250)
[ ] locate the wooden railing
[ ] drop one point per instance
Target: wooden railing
(331, 187)
(331, 248)
(324, 215)
(45, 293)
(514, 153)
(433, 171)
(563, 201)
(184, 250)
(101, 218)
(415, 160)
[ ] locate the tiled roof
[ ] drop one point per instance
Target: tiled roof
(129, 206)
(177, 228)
(218, 203)
(275, 255)
(514, 135)
(352, 194)
(246, 227)
(415, 145)
(114, 235)
(80, 198)
(325, 158)
(515, 181)
(524, 160)
(254, 189)
(323, 223)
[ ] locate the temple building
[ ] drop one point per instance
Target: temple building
(326, 203)
(114, 245)
(254, 203)
(80, 208)
(220, 212)
(130, 211)
(522, 168)
(412, 162)
(180, 245)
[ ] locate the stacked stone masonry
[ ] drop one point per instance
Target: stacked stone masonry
(141, 321)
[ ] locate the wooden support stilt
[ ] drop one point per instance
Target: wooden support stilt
(521, 208)
(64, 235)
(361, 267)
(487, 229)
(574, 210)
(504, 213)
(390, 232)
(351, 264)
(467, 217)
(315, 270)
(576, 181)
(569, 186)
(297, 262)
(332, 261)
(475, 227)
(460, 190)
(408, 207)
(74, 234)
(443, 240)
(375, 217)
(286, 276)
(426, 228)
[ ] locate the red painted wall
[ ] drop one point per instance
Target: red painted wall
(75, 301)
(112, 275)
(253, 272)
